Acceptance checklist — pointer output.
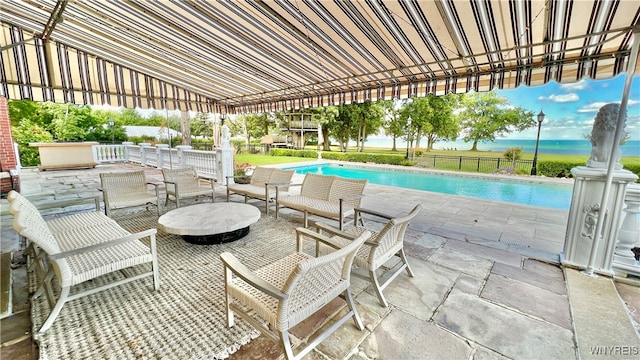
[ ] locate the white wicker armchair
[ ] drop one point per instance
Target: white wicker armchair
(380, 248)
(80, 248)
(291, 289)
(127, 189)
(185, 183)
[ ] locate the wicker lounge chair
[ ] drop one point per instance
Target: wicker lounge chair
(127, 189)
(80, 248)
(185, 183)
(381, 247)
(291, 289)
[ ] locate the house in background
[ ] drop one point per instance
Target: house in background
(158, 132)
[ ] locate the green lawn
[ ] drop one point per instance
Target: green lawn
(258, 159)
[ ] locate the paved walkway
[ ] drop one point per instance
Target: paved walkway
(487, 284)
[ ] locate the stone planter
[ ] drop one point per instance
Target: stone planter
(68, 155)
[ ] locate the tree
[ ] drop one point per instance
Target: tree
(23, 134)
(132, 117)
(201, 125)
(513, 154)
(70, 122)
(393, 125)
(20, 110)
(420, 112)
(250, 126)
(369, 119)
(326, 115)
(486, 116)
(444, 124)
(342, 128)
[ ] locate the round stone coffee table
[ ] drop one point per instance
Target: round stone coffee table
(210, 223)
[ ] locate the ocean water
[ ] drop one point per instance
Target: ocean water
(561, 147)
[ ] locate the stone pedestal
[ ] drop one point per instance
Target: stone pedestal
(224, 158)
(583, 217)
(624, 262)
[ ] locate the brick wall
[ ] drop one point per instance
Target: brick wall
(8, 159)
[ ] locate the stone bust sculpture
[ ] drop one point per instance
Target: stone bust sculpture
(602, 137)
(226, 135)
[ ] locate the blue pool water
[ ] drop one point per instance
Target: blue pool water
(557, 196)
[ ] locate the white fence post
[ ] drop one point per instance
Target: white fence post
(159, 148)
(126, 149)
(181, 158)
(143, 152)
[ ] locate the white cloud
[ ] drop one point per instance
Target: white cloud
(571, 97)
(593, 107)
(580, 85)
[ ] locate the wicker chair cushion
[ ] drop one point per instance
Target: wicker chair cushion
(279, 176)
(276, 274)
(78, 221)
(125, 189)
(295, 201)
(90, 265)
(314, 287)
(28, 222)
(260, 176)
(342, 187)
(317, 186)
(253, 191)
(327, 209)
(188, 182)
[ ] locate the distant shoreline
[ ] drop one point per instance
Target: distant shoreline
(557, 147)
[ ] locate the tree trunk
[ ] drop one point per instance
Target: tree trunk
(326, 145)
(475, 145)
(186, 129)
(394, 144)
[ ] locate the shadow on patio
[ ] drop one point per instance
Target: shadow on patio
(487, 284)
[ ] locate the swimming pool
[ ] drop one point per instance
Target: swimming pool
(557, 196)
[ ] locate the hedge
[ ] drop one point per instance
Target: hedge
(563, 169)
(546, 168)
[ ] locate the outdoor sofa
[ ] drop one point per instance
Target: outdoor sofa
(262, 181)
(332, 197)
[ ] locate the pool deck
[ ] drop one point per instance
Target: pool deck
(488, 283)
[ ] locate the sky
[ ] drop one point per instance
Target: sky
(570, 109)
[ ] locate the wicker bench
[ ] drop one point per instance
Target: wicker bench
(78, 248)
(262, 180)
(331, 197)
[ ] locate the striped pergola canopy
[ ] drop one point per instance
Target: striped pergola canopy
(253, 56)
